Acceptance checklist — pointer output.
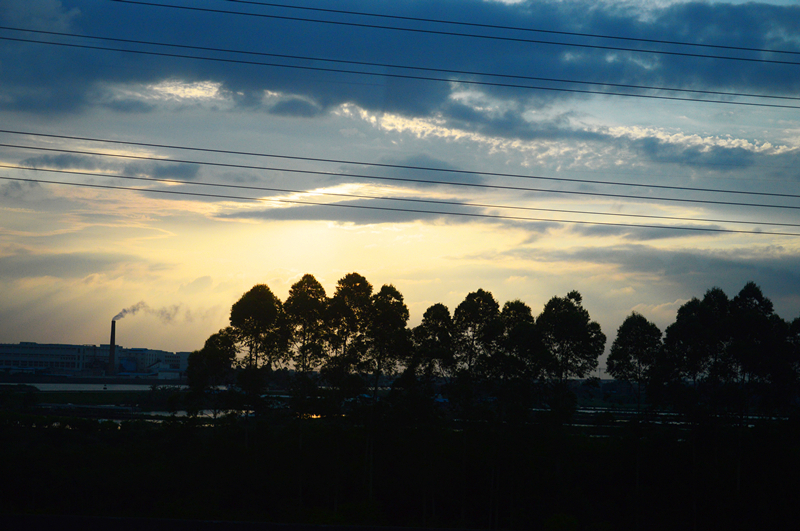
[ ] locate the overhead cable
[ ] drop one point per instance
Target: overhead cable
(401, 179)
(456, 34)
(395, 75)
(394, 166)
(397, 66)
(513, 28)
(384, 198)
(407, 210)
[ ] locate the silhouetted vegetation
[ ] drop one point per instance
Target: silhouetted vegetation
(721, 356)
(468, 420)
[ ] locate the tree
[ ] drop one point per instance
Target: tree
(696, 348)
(389, 340)
(634, 352)
(572, 342)
(760, 349)
(305, 312)
(478, 329)
(755, 333)
(212, 366)
(347, 315)
(434, 343)
(259, 322)
(518, 363)
(431, 359)
(522, 348)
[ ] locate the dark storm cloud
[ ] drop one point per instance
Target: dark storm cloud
(68, 265)
(50, 79)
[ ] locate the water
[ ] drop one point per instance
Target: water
(97, 387)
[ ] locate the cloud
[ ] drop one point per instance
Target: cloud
(676, 230)
(109, 165)
(47, 79)
(415, 167)
(198, 285)
(725, 158)
(17, 189)
(362, 212)
(696, 270)
(295, 107)
(42, 14)
(511, 124)
(130, 106)
(60, 265)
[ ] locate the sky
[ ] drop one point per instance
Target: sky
(440, 158)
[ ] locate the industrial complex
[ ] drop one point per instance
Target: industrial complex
(92, 360)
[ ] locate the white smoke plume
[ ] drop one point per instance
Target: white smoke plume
(165, 314)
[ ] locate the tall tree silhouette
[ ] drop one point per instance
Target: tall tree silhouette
(478, 331)
(259, 324)
(759, 345)
(258, 320)
(523, 354)
(305, 309)
(518, 363)
(478, 328)
(389, 340)
(696, 348)
(434, 342)
(348, 316)
(634, 352)
(754, 332)
(572, 341)
(573, 344)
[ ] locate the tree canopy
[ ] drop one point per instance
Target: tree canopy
(722, 349)
(573, 342)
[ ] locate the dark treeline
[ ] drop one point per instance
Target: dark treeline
(465, 421)
(721, 356)
(482, 360)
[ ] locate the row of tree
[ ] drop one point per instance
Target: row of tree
(355, 337)
(722, 354)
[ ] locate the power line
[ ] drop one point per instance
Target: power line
(425, 181)
(399, 199)
(400, 76)
(386, 165)
(457, 34)
(407, 210)
(514, 28)
(387, 65)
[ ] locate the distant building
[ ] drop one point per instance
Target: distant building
(90, 360)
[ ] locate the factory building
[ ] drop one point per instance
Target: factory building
(91, 360)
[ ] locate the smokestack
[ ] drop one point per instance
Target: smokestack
(112, 358)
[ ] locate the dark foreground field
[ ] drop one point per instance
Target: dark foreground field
(444, 475)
